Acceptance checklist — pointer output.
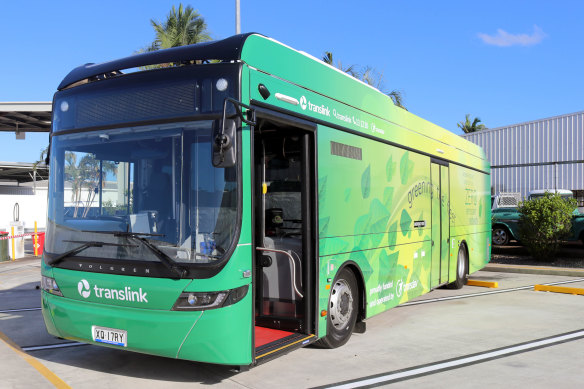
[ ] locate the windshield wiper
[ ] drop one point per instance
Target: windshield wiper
(167, 261)
(78, 249)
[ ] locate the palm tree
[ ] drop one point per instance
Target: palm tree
(94, 173)
(467, 126)
(328, 59)
(369, 76)
(184, 26)
(372, 77)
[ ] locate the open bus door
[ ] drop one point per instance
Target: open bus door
(285, 209)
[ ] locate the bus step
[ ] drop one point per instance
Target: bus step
(282, 346)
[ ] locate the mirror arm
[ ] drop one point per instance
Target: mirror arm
(238, 105)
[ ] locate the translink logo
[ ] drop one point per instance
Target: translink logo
(320, 109)
(126, 294)
(83, 288)
(303, 102)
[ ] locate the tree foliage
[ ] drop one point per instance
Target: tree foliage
(86, 173)
(467, 126)
(368, 75)
(351, 69)
(544, 222)
(183, 26)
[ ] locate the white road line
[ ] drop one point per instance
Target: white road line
(20, 310)
(452, 364)
(52, 346)
(426, 301)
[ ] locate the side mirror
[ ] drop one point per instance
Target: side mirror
(223, 143)
(224, 133)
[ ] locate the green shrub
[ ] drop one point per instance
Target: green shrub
(544, 222)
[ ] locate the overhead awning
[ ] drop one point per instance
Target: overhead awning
(23, 172)
(25, 116)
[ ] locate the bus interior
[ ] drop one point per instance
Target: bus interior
(284, 238)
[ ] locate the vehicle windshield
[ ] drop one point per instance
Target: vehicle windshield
(154, 180)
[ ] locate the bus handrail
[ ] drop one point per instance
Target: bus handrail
(291, 258)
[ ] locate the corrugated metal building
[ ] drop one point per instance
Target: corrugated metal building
(541, 154)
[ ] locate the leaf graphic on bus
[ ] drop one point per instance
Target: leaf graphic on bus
(480, 208)
(359, 256)
(361, 226)
(406, 167)
(379, 215)
(336, 245)
(405, 222)
(387, 264)
(347, 194)
(388, 196)
(323, 224)
(366, 182)
(322, 188)
(392, 236)
(389, 168)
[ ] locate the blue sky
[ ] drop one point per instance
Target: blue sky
(503, 61)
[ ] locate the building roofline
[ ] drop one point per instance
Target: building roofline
(523, 123)
(25, 116)
(31, 106)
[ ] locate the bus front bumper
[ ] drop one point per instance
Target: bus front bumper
(213, 336)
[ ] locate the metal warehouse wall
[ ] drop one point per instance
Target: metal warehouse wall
(542, 154)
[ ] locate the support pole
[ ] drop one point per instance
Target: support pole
(237, 18)
(13, 247)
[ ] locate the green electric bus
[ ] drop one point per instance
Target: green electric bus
(230, 201)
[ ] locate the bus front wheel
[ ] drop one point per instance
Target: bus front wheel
(342, 310)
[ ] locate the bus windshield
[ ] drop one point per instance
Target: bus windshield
(155, 180)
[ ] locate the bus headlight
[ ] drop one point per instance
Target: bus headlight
(221, 85)
(48, 284)
(200, 301)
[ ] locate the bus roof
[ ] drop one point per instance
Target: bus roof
(275, 58)
(302, 69)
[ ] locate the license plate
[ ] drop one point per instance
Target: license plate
(110, 336)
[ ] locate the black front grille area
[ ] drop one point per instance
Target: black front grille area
(137, 105)
(180, 92)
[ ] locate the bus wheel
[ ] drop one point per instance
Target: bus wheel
(461, 270)
(342, 312)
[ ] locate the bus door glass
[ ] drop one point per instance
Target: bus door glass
(440, 224)
(445, 223)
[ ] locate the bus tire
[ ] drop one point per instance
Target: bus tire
(342, 310)
(461, 269)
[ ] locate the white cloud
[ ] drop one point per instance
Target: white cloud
(503, 39)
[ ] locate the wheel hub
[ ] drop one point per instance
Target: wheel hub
(499, 236)
(341, 306)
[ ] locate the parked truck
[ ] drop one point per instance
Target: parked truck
(505, 220)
